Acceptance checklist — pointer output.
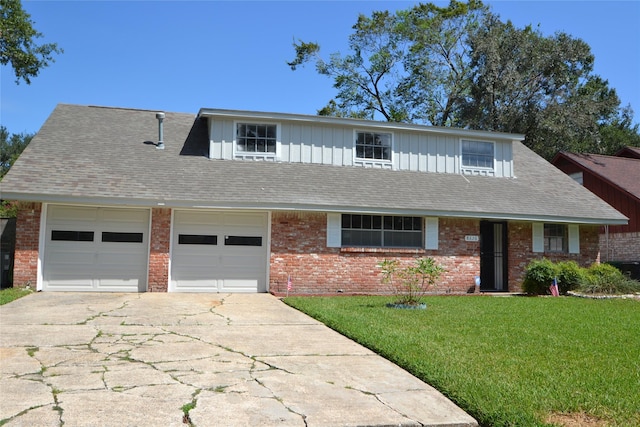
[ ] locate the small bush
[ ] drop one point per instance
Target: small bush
(607, 279)
(538, 276)
(570, 276)
(411, 283)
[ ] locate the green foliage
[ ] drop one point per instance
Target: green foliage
(506, 361)
(570, 276)
(538, 276)
(10, 148)
(607, 279)
(410, 283)
(17, 43)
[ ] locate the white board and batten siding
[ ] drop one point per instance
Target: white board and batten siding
(321, 143)
(219, 251)
(95, 249)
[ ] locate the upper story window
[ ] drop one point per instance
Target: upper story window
(477, 154)
(555, 238)
(256, 138)
(373, 145)
(382, 231)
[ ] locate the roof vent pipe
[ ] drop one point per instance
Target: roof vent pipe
(160, 117)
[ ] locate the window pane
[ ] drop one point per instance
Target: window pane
(477, 154)
(72, 236)
(121, 237)
(242, 241)
(197, 239)
(375, 146)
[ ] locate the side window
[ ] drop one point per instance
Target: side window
(477, 154)
(373, 146)
(555, 238)
(382, 231)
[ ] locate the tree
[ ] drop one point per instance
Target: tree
(10, 148)
(17, 45)
(619, 132)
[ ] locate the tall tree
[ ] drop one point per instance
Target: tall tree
(17, 42)
(10, 148)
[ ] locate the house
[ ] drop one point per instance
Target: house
(616, 180)
(115, 199)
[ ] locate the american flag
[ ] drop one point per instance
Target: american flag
(554, 287)
(289, 284)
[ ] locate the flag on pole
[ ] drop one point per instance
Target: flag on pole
(554, 287)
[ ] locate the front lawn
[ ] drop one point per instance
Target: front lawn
(9, 294)
(507, 361)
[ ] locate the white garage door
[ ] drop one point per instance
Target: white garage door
(219, 252)
(96, 249)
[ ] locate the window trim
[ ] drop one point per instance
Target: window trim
(357, 159)
(383, 230)
(479, 168)
(268, 155)
(565, 238)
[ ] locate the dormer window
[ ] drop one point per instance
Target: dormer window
(373, 146)
(256, 138)
(477, 154)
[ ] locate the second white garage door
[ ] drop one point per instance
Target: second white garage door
(219, 252)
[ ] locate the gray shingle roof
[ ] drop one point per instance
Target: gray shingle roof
(87, 154)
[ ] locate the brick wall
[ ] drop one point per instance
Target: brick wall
(521, 251)
(25, 267)
(620, 247)
(159, 250)
(299, 249)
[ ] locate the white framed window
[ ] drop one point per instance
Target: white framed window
(555, 238)
(577, 177)
(477, 154)
(373, 146)
(261, 139)
(382, 231)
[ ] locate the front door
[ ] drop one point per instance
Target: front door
(493, 256)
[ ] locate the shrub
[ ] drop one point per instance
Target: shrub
(539, 274)
(606, 279)
(411, 283)
(570, 276)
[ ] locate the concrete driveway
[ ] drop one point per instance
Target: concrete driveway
(156, 359)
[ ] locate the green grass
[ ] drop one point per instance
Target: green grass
(11, 294)
(510, 361)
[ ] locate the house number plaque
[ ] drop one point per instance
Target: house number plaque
(471, 238)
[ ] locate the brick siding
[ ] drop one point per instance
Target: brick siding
(298, 249)
(623, 247)
(159, 250)
(25, 267)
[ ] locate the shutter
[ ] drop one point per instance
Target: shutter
(574, 239)
(538, 237)
(431, 233)
(334, 230)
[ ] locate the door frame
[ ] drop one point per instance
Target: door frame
(494, 259)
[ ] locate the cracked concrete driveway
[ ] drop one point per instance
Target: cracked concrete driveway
(157, 359)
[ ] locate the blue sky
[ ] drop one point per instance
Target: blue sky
(181, 56)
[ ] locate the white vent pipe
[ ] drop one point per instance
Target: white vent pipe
(160, 117)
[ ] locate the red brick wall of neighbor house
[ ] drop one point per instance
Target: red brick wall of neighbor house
(25, 267)
(299, 249)
(159, 250)
(620, 247)
(521, 251)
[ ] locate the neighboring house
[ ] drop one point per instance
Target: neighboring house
(616, 180)
(240, 201)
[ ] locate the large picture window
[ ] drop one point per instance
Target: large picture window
(256, 138)
(376, 146)
(477, 154)
(555, 238)
(382, 231)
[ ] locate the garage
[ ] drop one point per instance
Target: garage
(219, 252)
(95, 249)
